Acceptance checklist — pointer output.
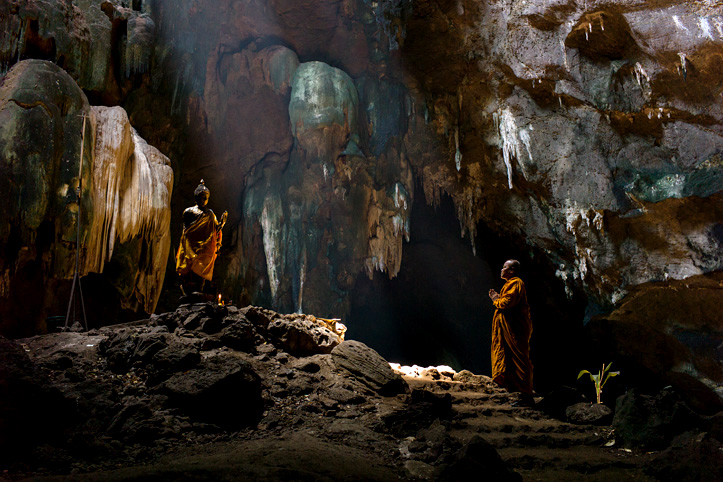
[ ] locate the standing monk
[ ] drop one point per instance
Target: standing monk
(200, 242)
(511, 332)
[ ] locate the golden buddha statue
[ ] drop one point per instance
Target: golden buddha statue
(200, 242)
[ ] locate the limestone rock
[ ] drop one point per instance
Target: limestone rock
(40, 124)
(302, 335)
(672, 330)
(368, 367)
(131, 188)
(125, 199)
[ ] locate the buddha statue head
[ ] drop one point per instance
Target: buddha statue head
(201, 194)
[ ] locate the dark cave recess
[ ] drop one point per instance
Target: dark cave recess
(437, 311)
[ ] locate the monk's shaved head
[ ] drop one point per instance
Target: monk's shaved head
(513, 265)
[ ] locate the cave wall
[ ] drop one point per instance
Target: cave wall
(125, 188)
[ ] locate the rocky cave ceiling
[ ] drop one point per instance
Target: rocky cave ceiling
(584, 137)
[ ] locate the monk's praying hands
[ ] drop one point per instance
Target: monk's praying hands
(494, 295)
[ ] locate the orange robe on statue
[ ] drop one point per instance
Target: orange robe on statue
(511, 332)
(199, 244)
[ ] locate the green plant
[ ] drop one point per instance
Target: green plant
(600, 379)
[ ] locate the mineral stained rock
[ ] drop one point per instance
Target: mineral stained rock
(126, 189)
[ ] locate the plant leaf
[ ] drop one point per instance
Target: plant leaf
(582, 372)
(611, 374)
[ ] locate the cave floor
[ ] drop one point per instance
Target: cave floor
(316, 447)
(304, 435)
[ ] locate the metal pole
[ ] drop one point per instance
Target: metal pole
(76, 276)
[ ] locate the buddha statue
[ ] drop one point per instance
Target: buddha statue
(200, 242)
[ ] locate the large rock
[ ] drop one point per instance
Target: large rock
(475, 458)
(125, 200)
(671, 330)
(41, 110)
(131, 187)
(223, 390)
(367, 366)
(302, 335)
(691, 457)
(651, 421)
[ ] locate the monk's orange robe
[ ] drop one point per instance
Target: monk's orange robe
(511, 332)
(198, 247)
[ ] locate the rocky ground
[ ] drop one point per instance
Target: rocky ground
(220, 393)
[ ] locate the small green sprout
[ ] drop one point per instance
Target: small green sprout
(600, 379)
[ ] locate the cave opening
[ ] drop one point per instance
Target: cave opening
(436, 311)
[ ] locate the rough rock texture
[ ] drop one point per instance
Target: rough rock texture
(125, 199)
(651, 421)
(690, 457)
(592, 413)
(475, 458)
(222, 389)
(368, 367)
(131, 187)
(670, 331)
(303, 335)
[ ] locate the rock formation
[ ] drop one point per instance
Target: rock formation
(126, 189)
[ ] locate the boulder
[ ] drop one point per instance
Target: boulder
(302, 335)
(367, 366)
(421, 411)
(691, 457)
(651, 422)
(475, 460)
(670, 331)
(223, 390)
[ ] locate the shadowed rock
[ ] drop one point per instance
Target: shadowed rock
(691, 457)
(592, 413)
(651, 422)
(31, 412)
(367, 366)
(223, 390)
(420, 412)
(475, 461)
